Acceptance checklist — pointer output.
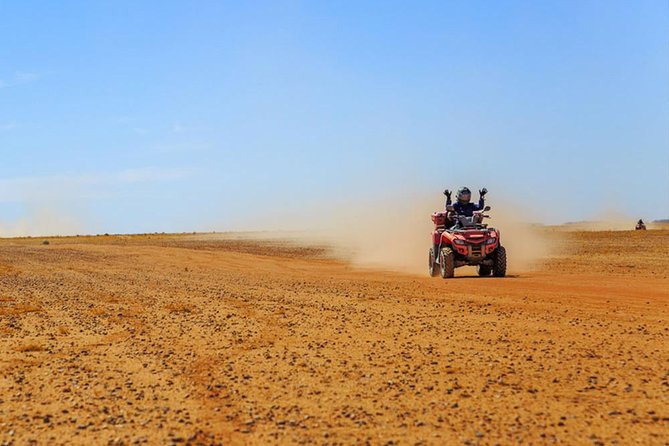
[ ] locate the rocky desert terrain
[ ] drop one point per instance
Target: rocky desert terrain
(181, 339)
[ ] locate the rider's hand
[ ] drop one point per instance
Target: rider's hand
(483, 192)
(447, 193)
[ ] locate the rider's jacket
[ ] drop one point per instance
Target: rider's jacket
(467, 209)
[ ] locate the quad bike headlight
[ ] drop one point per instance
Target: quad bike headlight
(491, 241)
(458, 241)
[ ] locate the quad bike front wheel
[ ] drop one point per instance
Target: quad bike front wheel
(432, 265)
(499, 262)
(446, 263)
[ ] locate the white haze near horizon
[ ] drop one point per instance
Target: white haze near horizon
(66, 205)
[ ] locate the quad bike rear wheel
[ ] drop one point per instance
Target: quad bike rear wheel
(484, 270)
(432, 265)
(499, 262)
(446, 263)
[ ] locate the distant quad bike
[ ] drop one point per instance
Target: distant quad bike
(640, 226)
(461, 240)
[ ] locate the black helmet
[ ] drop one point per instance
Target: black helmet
(464, 195)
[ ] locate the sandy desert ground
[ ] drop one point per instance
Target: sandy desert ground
(182, 340)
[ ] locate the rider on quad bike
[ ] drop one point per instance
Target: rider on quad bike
(461, 238)
(464, 206)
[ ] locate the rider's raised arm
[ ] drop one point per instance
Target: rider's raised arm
(448, 198)
(481, 204)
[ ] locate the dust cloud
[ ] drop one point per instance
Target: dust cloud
(42, 221)
(395, 234)
(527, 243)
(389, 233)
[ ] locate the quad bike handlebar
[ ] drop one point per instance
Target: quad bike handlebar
(481, 213)
(451, 208)
(465, 221)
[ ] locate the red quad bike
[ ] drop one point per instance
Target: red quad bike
(461, 240)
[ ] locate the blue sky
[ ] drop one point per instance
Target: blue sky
(173, 116)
